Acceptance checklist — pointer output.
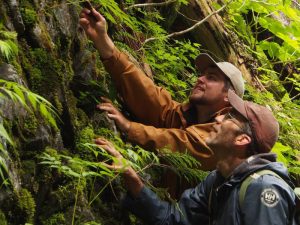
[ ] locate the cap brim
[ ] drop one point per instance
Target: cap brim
(204, 61)
(237, 103)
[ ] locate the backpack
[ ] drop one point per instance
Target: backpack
(246, 182)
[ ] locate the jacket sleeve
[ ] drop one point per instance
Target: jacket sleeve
(192, 207)
(189, 140)
(148, 103)
(268, 200)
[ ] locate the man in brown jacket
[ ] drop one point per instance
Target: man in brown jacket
(162, 122)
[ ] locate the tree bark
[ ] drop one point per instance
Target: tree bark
(216, 39)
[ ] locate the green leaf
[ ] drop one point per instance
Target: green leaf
(7, 49)
(279, 149)
(5, 135)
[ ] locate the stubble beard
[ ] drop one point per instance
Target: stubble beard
(198, 100)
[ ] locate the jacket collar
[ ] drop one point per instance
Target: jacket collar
(249, 166)
(190, 114)
(258, 162)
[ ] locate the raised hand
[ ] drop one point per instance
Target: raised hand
(133, 182)
(94, 25)
(120, 163)
(113, 113)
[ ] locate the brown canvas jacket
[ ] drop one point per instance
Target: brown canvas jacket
(161, 121)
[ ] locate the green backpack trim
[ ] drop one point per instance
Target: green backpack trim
(252, 177)
(245, 185)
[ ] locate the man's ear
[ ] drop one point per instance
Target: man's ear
(226, 98)
(242, 140)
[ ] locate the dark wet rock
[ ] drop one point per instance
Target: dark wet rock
(16, 16)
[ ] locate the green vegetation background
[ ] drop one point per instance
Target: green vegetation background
(49, 166)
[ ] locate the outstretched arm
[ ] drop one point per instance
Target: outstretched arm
(192, 207)
(190, 140)
(148, 103)
(151, 138)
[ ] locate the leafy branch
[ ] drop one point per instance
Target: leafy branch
(188, 29)
(152, 4)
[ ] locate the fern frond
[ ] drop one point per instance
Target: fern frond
(29, 100)
(7, 35)
(5, 135)
(8, 49)
(75, 167)
(183, 164)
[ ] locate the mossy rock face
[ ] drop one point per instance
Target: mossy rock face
(26, 205)
(18, 207)
(92, 223)
(28, 175)
(30, 125)
(55, 219)
(29, 17)
(2, 218)
(52, 71)
(86, 135)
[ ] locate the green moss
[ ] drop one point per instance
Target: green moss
(64, 196)
(26, 204)
(45, 38)
(34, 74)
(29, 17)
(36, 78)
(81, 119)
(28, 166)
(2, 218)
(51, 151)
(28, 13)
(57, 104)
(30, 124)
(86, 135)
(3, 15)
(91, 223)
(48, 73)
(17, 66)
(56, 219)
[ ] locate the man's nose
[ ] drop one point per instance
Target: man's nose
(219, 118)
(201, 79)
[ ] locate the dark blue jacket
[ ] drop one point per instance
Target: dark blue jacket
(268, 200)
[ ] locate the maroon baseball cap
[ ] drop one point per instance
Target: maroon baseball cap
(264, 126)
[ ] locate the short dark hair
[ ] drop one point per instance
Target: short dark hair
(227, 85)
(245, 128)
(251, 148)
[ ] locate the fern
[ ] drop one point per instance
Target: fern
(184, 165)
(8, 47)
(29, 101)
(75, 167)
(141, 160)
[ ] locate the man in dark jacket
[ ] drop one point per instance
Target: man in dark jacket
(241, 141)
